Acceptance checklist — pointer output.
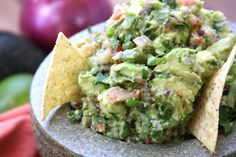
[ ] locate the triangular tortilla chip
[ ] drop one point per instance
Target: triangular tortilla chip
(205, 121)
(62, 77)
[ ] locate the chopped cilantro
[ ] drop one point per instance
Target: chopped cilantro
(133, 103)
(100, 78)
(90, 30)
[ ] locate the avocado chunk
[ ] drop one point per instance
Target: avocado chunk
(89, 107)
(131, 56)
(124, 130)
(142, 126)
(208, 62)
(164, 43)
(174, 93)
(88, 84)
(213, 57)
(217, 21)
(189, 79)
(181, 58)
(118, 129)
(222, 48)
(18, 55)
(129, 72)
(110, 109)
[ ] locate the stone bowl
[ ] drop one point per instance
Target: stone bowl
(58, 137)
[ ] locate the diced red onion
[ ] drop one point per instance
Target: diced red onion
(142, 41)
(188, 61)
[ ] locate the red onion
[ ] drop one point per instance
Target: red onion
(199, 68)
(41, 20)
(188, 60)
(142, 41)
(118, 95)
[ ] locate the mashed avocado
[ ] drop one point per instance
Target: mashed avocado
(148, 68)
(228, 102)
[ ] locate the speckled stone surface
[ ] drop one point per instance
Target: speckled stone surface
(57, 137)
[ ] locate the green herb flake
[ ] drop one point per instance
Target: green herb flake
(115, 43)
(110, 32)
(75, 115)
(232, 95)
(153, 61)
(133, 85)
(145, 74)
(227, 126)
(133, 103)
(171, 3)
(100, 78)
(90, 30)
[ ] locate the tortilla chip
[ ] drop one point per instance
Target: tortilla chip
(62, 77)
(205, 121)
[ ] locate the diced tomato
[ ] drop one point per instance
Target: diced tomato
(119, 95)
(195, 26)
(87, 50)
(178, 93)
(117, 15)
(114, 52)
(168, 26)
(194, 21)
(186, 2)
(149, 141)
(119, 48)
(100, 127)
(140, 80)
(198, 41)
(135, 94)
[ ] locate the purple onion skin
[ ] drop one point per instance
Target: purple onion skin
(42, 20)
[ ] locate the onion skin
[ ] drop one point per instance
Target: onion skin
(42, 20)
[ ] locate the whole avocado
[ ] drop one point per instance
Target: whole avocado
(14, 91)
(17, 55)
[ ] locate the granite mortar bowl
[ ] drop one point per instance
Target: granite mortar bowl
(58, 137)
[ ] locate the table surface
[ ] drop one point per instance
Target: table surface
(10, 11)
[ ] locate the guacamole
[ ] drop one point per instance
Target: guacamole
(228, 102)
(148, 69)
